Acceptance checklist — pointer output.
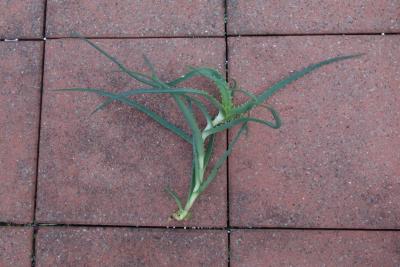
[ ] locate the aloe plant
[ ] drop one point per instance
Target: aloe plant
(201, 139)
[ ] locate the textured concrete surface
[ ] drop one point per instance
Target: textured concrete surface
(135, 18)
(21, 19)
(313, 16)
(15, 246)
(335, 160)
(20, 78)
(130, 247)
(314, 248)
(113, 167)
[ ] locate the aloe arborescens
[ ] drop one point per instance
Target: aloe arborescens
(202, 140)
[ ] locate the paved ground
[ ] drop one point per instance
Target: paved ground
(80, 190)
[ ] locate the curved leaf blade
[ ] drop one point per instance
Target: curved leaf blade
(175, 197)
(163, 122)
(288, 80)
(136, 75)
(235, 122)
(222, 159)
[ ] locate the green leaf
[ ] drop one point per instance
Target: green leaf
(196, 153)
(196, 134)
(214, 76)
(183, 78)
(201, 106)
(177, 91)
(175, 197)
(232, 123)
(191, 120)
(288, 80)
(193, 179)
(247, 93)
(222, 159)
(173, 128)
(209, 150)
(210, 144)
(275, 114)
(222, 85)
(233, 85)
(151, 67)
(136, 75)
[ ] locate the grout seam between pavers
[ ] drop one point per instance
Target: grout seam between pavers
(226, 63)
(33, 255)
(202, 37)
(312, 34)
(40, 108)
(39, 130)
(35, 228)
(188, 228)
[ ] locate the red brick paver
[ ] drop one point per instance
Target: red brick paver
(314, 248)
(313, 16)
(135, 18)
(113, 167)
(21, 19)
(335, 161)
(15, 246)
(20, 76)
(130, 247)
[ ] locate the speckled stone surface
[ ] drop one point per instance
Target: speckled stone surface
(335, 160)
(313, 16)
(135, 18)
(113, 167)
(20, 78)
(314, 248)
(15, 246)
(130, 247)
(21, 19)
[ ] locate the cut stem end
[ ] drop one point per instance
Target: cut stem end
(181, 215)
(185, 214)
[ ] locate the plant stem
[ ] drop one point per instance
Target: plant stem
(181, 215)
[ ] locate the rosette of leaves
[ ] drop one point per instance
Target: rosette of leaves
(202, 140)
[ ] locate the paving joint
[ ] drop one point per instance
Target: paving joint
(204, 228)
(226, 63)
(226, 35)
(35, 229)
(313, 34)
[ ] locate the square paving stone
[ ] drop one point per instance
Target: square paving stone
(135, 18)
(20, 79)
(130, 247)
(314, 248)
(313, 16)
(113, 167)
(335, 160)
(21, 19)
(15, 246)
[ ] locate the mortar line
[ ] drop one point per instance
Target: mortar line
(21, 40)
(35, 229)
(312, 34)
(227, 137)
(203, 36)
(226, 229)
(146, 37)
(33, 257)
(39, 130)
